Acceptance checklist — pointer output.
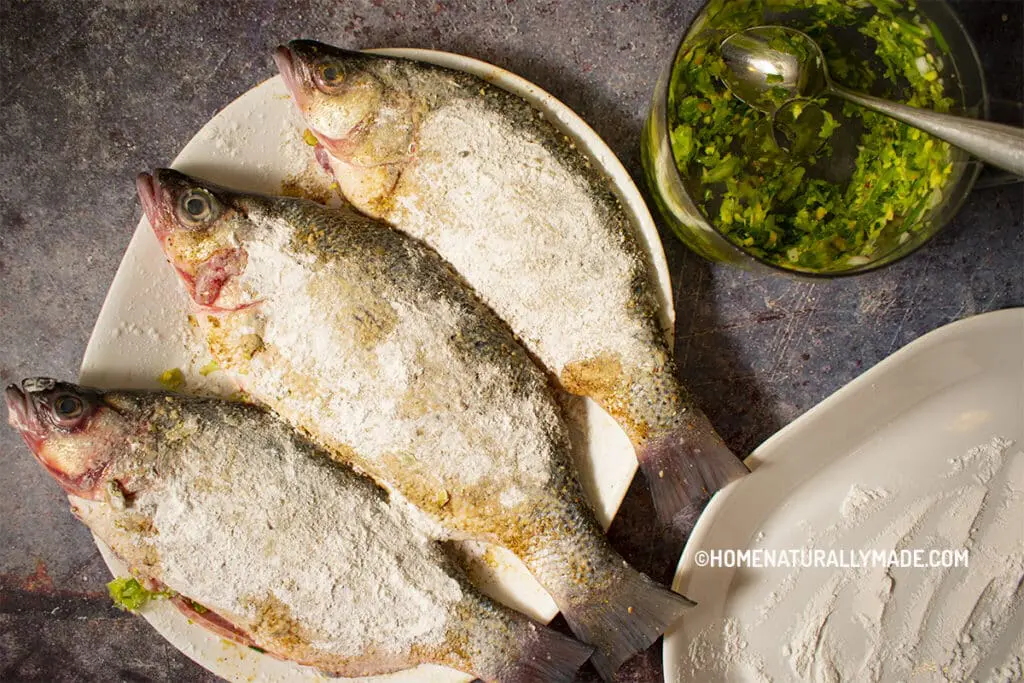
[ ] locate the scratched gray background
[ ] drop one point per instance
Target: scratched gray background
(93, 92)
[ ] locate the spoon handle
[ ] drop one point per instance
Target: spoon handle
(993, 143)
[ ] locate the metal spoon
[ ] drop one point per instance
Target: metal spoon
(770, 65)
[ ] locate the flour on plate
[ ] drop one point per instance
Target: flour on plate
(720, 650)
(875, 624)
(860, 501)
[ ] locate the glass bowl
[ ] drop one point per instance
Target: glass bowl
(963, 80)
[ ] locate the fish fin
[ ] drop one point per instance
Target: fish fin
(685, 467)
(625, 618)
(548, 656)
(211, 621)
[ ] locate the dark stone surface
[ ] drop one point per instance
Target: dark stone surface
(93, 92)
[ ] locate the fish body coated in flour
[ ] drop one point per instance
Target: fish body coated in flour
(367, 340)
(268, 541)
(522, 214)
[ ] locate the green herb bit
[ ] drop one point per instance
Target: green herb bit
(128, 594)
(829, 126)
(682, 145)
(912, 28)
(778, 94)
(887, 7)
(726, 168)
(209, 368)
(940, 40)
(172, 379)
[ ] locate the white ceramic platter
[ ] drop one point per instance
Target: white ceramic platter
(925, 451)
(256, 143)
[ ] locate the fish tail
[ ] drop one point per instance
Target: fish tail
(546, 655)
(624, 617)
(685, 466)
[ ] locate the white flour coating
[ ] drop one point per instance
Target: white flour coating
(1013, 670)
(860, 501)
(985, 459)
(719, 653)
(527, 233)
(814, 653)
(295, 153)
(879, 624)
(248, 524)
(907, 619)
(376, 397)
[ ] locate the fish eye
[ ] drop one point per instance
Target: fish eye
(330, 74)
(67, 406)
(196, 207)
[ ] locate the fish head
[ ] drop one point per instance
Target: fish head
(71, 431)
(199, 226)
(359, 106)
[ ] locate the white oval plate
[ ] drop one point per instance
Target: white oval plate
(899, 433)
(256, 143)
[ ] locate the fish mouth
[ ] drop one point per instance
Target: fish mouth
(21, 413)
(146, 187)
(286, 65)
(17, 407)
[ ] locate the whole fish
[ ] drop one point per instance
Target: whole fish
(366, 339)
(269, 541)
(510, 202)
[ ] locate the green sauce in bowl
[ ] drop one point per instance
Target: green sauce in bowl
(872, 182)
